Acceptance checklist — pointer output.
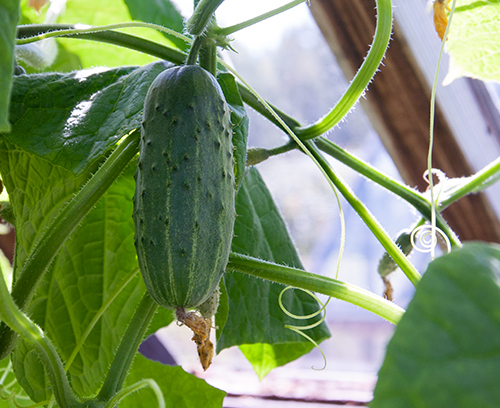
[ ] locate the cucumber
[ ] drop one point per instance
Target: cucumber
(184, 207)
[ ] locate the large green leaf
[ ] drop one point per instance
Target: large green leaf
(255, 319)
(474, 40)
(161, 12)
(180, 389)
(72, 119)
(446, 349)
(9, 17)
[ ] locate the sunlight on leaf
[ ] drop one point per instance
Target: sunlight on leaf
(474, 41)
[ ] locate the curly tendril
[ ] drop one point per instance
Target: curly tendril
(424, 238)
(427, 234)
(299, 329)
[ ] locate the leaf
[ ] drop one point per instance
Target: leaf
(180, 389)
(446, 349)
(11, 387)
(161, 12)
(255, 318)
(474, 41)
(102, 12)
(9, 17)
(92, 263)
(72, 119)
(240, 122)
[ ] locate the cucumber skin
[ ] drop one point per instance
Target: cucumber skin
(184, 202)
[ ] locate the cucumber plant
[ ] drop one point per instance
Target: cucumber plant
(103, 259)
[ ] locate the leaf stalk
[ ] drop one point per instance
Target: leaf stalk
(316, 283)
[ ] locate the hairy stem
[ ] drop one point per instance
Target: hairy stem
(49, 244)
(361, 80)
(367, 217)
(240, 26)
(477, 182)
(416, 199)
(208, 56)
(128, 348)
(194, 50)
(31, 333)
(316, 283)
(36, 31)
(202, 15)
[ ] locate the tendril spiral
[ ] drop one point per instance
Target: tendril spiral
(424, 238)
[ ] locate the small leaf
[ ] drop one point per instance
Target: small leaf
(161, 12)
(9, 17)
(255, 318)
(180, 389)
(446, 349)
(474, 41)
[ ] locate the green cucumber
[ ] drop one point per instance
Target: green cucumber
(184, 208)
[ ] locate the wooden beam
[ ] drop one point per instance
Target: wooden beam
(398, 104)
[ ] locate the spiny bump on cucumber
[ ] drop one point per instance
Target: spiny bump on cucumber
(184, 207)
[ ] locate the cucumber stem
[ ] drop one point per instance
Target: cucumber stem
(194, 50)
(208, 56)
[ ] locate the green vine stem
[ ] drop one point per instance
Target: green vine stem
(202, 15)
(46, 352)
(475, 183)
(194, 50)
(411, 196)
(367, 217)
(208, 56)
(316, 283)
(240, 26)
(363, 77)
(36, 32)
(46, 248)
(128, 348)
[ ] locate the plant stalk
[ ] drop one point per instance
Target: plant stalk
(128, 348)
(477, 182)
(316, 283)
(208, 56)
(202, 15)
(52, 240)
(110, 37)
(31, 333)
(362, 78)
(367, 217)
(240, 26)
(194, 50)
(416, 199)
